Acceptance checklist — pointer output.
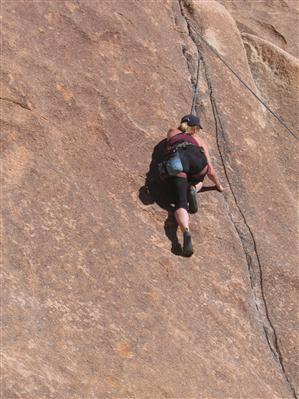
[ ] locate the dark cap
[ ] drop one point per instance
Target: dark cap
(192, 120)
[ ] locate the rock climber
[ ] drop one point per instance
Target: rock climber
(196, 164)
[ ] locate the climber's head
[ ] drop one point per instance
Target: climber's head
(190, 124)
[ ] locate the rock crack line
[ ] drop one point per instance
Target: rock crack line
(23, 105)
(244, 231)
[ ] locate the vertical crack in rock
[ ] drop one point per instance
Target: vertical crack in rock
(249, 245)
(243, 229)
(194, 79)
(190, 62)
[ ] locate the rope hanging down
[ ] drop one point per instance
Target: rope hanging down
(196, 87)
(241, 81)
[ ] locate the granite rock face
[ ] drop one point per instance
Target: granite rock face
(275, 21)
(94, 302)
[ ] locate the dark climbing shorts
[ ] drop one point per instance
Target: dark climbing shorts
(194, 161)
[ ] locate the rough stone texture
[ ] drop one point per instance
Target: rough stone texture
(275, 21)
(94, 304)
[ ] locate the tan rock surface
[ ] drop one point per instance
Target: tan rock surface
(275, 21)
(95, 304)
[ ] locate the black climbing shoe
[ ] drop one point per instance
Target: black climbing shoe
(192, 199)
(187, 246)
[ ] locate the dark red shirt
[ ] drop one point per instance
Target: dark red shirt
(180, 138)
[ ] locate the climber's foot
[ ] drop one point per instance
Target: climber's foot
(187, 245)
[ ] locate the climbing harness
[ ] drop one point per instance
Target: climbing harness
(172, 165)
(237, 76)
(182, 144)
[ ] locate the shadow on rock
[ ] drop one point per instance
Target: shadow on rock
(160, 192)
(155, 190)
(208, 188)
(171, 228)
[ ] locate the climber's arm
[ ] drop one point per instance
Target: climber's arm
(211, 171)
(213, 177)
